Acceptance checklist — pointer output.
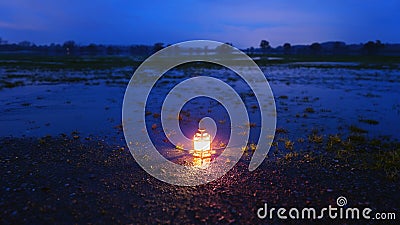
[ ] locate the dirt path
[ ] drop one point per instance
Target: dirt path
(62, 180)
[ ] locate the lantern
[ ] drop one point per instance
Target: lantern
(201, 148)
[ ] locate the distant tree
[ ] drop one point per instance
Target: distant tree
(315, 48)
(25, 44)
(338, 48)
(369, 47)
(379, 45)
(110, 50)
(69, 46)
(286, 48)
(158, 46)
(264, 45)
(92, 49)
(223, 49)
(251, 50)
(372, 48)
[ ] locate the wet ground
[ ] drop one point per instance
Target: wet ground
(65, 180)
(90, 102)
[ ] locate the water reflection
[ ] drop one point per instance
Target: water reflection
(201, 162)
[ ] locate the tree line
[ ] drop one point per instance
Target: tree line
(327, 48)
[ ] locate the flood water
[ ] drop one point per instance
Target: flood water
(329, 100)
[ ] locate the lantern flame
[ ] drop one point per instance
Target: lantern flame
(202, 147)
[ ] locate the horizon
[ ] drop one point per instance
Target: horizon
(166, 44)
(242, 24)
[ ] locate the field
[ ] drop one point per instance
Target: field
(64, 157)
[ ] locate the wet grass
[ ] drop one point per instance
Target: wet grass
(364, 61)
(355, 150)
(315, 138)
(309, 110)
(369, 121)
(65, 62)
(283, 97)
(8, 84)
(355, 129)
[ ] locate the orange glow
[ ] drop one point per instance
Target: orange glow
(202, 148)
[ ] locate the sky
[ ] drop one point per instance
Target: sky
(243, 23)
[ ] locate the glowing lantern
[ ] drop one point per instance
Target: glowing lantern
(202, 147)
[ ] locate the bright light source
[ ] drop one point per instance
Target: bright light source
(202, 141)
(202, 147)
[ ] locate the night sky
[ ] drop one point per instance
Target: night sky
(240, 22)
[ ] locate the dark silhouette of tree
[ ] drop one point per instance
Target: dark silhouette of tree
(286, 48)
(69, 44)
(379, 45)
(315, 48)
(91, 49)
(264, 45)
(69, 47)
(251, 50)
(223, 49)
(373, 48)
(369, 47)
(25, 44)
(110, 50)
(339, 48)
(158, 46)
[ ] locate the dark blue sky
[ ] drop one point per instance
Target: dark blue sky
(240, 22)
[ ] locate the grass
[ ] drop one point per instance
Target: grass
(355, 129)
(25, 104)
(281, 131)
(315, 138)
(26, 61)
(291, 155)
(252, 125)
(309, 110)
(365, 61)
(354, 151)
(389, 161)
(105, 62)
(8, 84)
(289, 144)
(333, 141)
(283, 97)
(369, 121)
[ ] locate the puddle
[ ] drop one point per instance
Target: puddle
(328, 99)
